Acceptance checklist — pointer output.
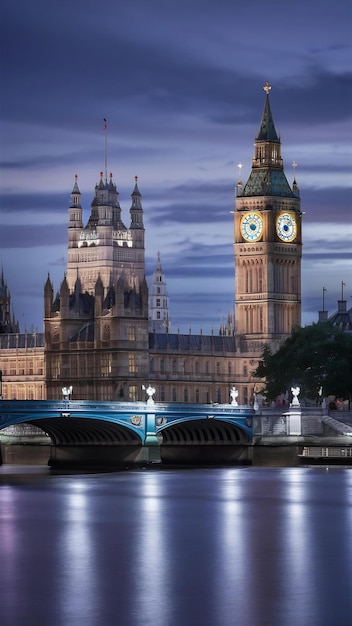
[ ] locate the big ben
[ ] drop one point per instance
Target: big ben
(267, 246)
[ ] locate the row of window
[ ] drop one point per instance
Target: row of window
(177, 366)
(19, 391)
(21, 368)
(180, 366)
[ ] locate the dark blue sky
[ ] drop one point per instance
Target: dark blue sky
(181, 87)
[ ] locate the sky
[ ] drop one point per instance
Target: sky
(180, 84)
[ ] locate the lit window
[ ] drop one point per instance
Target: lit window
(132, 367)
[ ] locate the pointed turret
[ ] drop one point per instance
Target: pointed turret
(75, 211)
(98, 296)
(7, 325)
(136, 210)
(48, 297)
(295, 187)
(64, 298)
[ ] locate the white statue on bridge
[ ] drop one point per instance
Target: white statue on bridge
(295, 393)
(234, 396)
(66, 392)
(150, 392)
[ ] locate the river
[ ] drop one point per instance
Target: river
(176, 547)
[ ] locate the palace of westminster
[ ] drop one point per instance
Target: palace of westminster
(107, 335)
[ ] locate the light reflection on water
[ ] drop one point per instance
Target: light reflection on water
(232, 545)
(150, 553)
(76, 575)
(198, 547)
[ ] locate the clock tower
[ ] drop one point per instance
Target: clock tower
(267, 246)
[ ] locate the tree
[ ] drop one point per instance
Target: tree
(314, 357)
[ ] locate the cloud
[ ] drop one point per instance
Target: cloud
(38, 236)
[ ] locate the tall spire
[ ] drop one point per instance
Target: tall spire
(267, 130)
(267, 177)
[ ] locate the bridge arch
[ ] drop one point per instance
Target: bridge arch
(85, 431)
(206, 441)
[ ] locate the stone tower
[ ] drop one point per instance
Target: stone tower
(267, 246)
(105, 247)
(159, 318)
(96, 326)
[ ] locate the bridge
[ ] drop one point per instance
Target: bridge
(115, 433)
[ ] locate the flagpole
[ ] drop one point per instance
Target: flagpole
(342, 286)
(106, 150)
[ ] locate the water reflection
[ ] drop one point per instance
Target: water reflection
(232, 542)
(76, 557)
(153, 596)
(296, 563)
(249, 546)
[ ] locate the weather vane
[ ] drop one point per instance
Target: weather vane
(267, 87)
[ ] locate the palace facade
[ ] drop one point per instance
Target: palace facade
(107, 334)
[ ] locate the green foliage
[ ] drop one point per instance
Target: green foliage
(313, 357)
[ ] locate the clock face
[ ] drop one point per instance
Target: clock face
(286, 227)
(251, 226)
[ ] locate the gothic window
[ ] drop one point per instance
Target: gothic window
(218, 367)
(174, 394)
(207, 367)
(158, 315)
(197, 396)
(245, 370)
(162, 366)
(185, 394)
(196, 366)
(106, 332)
(56, 367)
(158, 302)
(132, 366)
(105, 365)
(132, 333)
(174, 366)
(158, 290)
(162, 394)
